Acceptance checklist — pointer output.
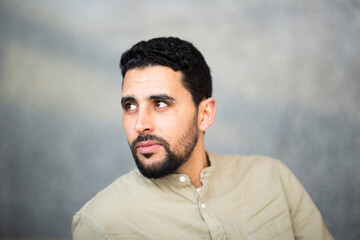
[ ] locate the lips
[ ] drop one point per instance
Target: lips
(147, 146)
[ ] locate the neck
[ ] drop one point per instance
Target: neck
(195, 164)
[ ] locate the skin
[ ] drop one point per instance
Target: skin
(155, 102)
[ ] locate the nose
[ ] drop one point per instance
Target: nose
(144, 123)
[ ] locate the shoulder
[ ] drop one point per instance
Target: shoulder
(250, 170)
(114, 197)
(96, 218)
(243, 164)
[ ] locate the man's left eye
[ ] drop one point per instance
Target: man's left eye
(160, 104)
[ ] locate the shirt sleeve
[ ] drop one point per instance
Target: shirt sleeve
(84, 227)
(306, 219)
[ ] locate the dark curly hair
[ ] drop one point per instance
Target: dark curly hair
(177, 54)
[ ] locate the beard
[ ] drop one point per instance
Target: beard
(172, 160)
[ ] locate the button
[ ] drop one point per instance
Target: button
(182, 179)
(203, 206)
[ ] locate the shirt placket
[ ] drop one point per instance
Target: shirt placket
(216, 230)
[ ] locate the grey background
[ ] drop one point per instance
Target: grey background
(286, 81)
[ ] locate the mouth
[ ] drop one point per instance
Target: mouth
(147, 147)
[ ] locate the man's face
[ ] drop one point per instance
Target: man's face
(160, 119)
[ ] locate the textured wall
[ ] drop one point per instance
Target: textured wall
(286, 80)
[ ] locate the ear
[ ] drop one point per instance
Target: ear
(206, 113)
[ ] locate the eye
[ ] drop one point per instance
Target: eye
(160, 104)
(130, 107)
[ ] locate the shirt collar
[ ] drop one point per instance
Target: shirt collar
(182, 180)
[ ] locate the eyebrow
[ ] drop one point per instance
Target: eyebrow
(161, 97)
(126, 99)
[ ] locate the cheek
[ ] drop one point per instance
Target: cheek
(128, 126)
(171, 128)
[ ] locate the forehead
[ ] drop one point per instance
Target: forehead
(152, 80)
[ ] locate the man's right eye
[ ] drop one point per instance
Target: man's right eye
(130, 106)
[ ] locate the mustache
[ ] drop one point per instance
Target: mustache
(149, 137)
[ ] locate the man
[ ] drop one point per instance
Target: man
(181, 191)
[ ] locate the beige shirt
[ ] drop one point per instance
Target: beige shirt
(251, 197)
